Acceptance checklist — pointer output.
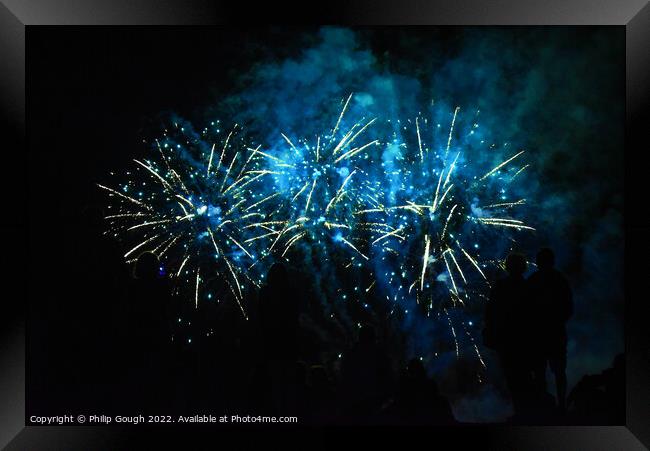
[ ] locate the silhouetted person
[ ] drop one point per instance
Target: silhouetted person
(278, 316)
(506, 330)
(365, 376)
(149, 331)
(552, 307)
(418, 400)
(320, 394)
(600, 398)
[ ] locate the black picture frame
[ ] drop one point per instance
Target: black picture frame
(17, 17)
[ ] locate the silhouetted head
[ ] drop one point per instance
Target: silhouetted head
(515, 264)
(415, 370)
(147, 266)
(367, 334)
(278, 276)
(545, 258)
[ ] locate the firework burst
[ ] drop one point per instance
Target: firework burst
(194, 203)
(447, 194)
(323, 183)
(419, 216)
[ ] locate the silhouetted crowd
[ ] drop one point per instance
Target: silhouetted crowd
(168, 372)
(255, 366)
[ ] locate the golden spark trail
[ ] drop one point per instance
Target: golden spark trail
(126, 215)
(290, 143)
(185, 200)
(234, 207)
(506, 204)
(294, 239)
(417, 128)
(141, 244)
(514, 226)
(145, 224)
(180, 181)
(451, 169)
(451, 131)
(261, 201)
(333, 225)
(245, 183)
(435, 199)
(233, 275)
(240, 246)
(210, 160)
(336, 127)
(355, 151)
(256, 150)
(162, 180)
(451, 252)
(168, 246)
(352, 246)
(225, 177)
(250, 157)
(300, 192)
(519, 171)
(250, 240)
(225, 145)
(425, 260)
(214, 243)
(480, 358)
(285, 230)
(223, 224)
(444, 230)
(394, 232)
(124, 196)
(155, 250)
(451, 276)
(262, 224)
(196, 293)
(346, 142)
(339, 192)
(442, 199)
(469, 257)
(501, 165)
(178, 273)
(309, 197)
(505, 223)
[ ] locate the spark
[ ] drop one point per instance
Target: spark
(353, 247)
(137, 202)
(196, 295)
(180, 268)
(499, 166)
(338, 121)
(146, 224)
(425, 260)
(417, 127)
(140, 245)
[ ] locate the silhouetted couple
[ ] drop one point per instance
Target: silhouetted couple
(525, 323)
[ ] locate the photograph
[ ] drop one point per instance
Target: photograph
(326, 225)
